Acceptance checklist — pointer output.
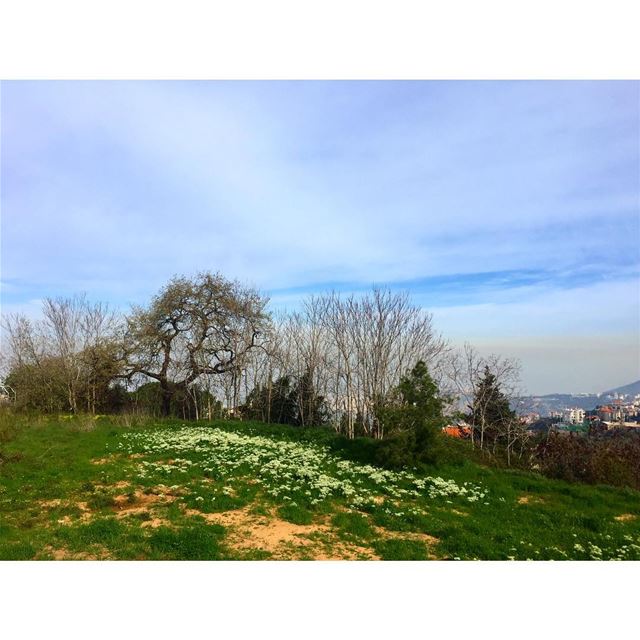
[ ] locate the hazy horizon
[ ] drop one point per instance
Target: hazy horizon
(510, 210)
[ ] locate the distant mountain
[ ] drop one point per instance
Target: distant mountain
(545, 404)
(628, 390)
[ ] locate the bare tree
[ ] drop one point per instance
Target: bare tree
(72, 346)
(476, 379)
(193, 328)
(354, 350)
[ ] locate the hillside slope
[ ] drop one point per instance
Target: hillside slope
(72, 490)
(631, 389)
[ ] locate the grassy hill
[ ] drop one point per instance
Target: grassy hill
(79, 488)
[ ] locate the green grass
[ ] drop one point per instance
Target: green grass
(188, 543)
(295, 514)
(355, 526)
(72, 487)
(401, 549)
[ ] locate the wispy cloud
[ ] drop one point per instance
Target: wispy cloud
(467, 194)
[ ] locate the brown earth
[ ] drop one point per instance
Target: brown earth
(246, 530)
(283, 540)
(67, 520)
(527, 498)
(154, 523)
(66, 554)
(125, 505)
(409, 535)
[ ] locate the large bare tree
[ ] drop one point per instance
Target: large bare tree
(194, 327)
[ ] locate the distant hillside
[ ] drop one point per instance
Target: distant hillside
(629, 389)
(544, 405)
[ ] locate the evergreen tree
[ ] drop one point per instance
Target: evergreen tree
(272, 403)
(310, 406)
(412, 421)
(491, 413)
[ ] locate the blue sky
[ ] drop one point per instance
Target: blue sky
(511, 210)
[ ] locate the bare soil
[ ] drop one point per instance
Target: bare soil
(282, 539)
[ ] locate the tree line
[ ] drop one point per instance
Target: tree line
(207, 347)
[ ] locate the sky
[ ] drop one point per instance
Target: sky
(509, 210)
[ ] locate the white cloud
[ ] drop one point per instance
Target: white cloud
(287, 184)
(580, 340)
(568, 364)
(112, 188)
(600, 309)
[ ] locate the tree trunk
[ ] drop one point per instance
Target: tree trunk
(167, 394)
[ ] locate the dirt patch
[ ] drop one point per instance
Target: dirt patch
(410, 535)
(139, 502)
(163, 490)
(425, 538)
(50, 504)
(85, 516)
(625, 517)
(68, 519)
(256, 531)
(344, 551)
(100, 461)
(422, 537)
(66, 554)
(282, 539)
(528, 498)
(154, 523)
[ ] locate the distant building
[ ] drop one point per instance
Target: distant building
(566, 427)
(622, 425)
(605, 413)
(573, 416)
(461, 430)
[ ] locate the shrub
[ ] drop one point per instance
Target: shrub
(363, 449)
(611, 458)
(412, 421)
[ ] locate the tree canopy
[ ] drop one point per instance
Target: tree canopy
(412, 419)
(192, 328)
(491, 413)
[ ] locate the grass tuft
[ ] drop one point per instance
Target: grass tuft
(401, 549)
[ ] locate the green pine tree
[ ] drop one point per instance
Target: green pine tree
(412, 422)
(490, 409)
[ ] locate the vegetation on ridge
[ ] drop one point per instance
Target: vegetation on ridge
(84, 487)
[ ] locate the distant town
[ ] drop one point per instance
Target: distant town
(614, 409)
